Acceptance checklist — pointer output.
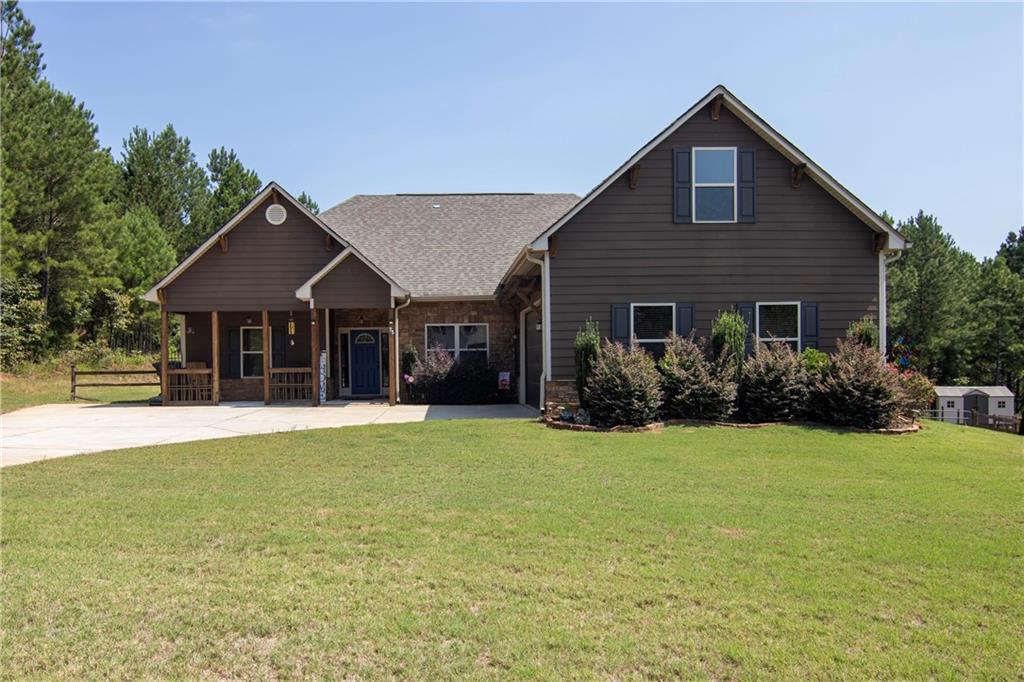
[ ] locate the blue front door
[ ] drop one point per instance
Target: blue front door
(365, 354)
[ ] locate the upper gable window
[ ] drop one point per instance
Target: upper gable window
(714, 184)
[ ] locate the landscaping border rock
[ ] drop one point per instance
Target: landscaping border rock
(659, 426)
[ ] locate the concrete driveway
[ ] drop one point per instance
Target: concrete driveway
(49, 431)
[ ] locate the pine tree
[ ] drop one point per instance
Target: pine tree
(308, 202)
(233, 187)
(161, 172)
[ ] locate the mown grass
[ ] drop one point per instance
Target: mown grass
(42, 388)
(503, 549)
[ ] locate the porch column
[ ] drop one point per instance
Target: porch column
(165, 393)
(215, 360)
(314, 355)
(266, 357)
(392, 359)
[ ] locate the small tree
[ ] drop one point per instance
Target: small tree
(587, 346)
(728, 340)
(773, 386)
(864, 331)
(623, 388)
(692, 387)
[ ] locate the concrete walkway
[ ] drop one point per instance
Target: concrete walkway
(49, 431)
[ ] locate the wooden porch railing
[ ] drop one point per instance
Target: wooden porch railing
(291, 384)
(193, 386)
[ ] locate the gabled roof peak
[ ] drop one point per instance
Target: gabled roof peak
(746, 115)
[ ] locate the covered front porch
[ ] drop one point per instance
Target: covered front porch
(281, 356)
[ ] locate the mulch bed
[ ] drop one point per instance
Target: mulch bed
(659, 426)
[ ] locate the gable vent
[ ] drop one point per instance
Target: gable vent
(276, 214)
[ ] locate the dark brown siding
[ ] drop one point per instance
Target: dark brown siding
(352, 284)
(623, 247)
(261, 270)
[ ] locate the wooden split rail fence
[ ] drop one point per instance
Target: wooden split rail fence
(76, 384)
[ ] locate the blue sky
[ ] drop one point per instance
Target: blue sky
(910, 106)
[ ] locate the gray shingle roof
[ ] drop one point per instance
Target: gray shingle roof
(445, 244)
(956, 391)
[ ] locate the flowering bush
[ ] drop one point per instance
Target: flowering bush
(916, 392)
(858, 389)
(623, 389)
(693, 387)
(773, 386)
(440, 380)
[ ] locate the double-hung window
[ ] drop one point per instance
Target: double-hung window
(651, 324)
(252, 352)
(464, 342)
(779, 323)
(714, 184)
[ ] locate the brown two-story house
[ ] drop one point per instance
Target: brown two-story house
(717, 212)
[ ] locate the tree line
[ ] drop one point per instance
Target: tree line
(85, 233)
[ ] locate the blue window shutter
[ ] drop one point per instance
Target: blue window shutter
(234, 359)
(746, 311)
(746, 180)
(808, 325)
(681, 197)
(277, 344)
(684, 319)
(620, 323)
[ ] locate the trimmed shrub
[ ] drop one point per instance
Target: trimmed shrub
(858, 389)
(916, 392)
(410, 357)
(587, 346)
(815, 362)
(773, 386)
(864, 331)
(691, 386)
(728, 340)
(439, 380)
(624, 388)
(816, 365)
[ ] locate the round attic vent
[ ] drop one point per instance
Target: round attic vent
(276, 214)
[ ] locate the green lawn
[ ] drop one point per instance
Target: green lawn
(44, 388)
(503, 549)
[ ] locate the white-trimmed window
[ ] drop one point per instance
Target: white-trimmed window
(1001, 404)
(251, 348)
(714, 184)
(464, 342)
(779, 323)
(650, 324)
(950, 403)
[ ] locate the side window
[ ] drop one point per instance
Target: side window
(779, 322)
(252, 352)
(950, 404)
(651, 324)
(464, 342)
(714, 184)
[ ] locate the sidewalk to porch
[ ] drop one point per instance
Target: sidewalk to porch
(50, 431)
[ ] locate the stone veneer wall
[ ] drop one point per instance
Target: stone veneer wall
(561, 393)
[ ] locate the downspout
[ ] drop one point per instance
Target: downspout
(545, 325)
(398, 356)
